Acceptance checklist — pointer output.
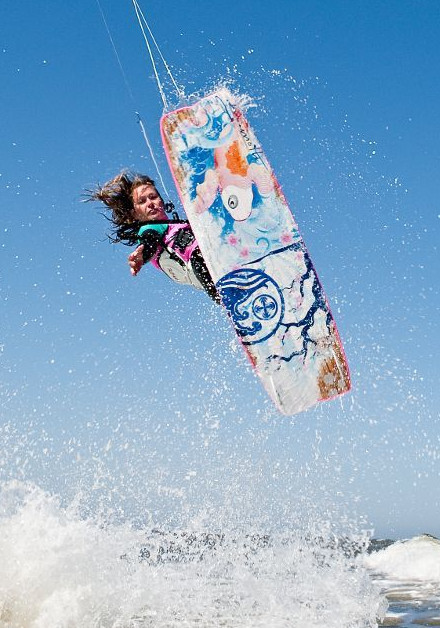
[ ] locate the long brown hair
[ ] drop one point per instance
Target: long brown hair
(117, 196)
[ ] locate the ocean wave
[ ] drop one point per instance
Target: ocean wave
(416, 559)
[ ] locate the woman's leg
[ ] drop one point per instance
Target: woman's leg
(202, 273)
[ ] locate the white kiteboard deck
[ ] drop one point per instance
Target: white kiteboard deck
(255, 253)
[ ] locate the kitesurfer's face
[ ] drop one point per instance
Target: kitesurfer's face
(147, 203)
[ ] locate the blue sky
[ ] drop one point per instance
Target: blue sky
(140, 383)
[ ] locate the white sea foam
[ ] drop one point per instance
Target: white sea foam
(57, 569)
(410, 560)
(61, 570)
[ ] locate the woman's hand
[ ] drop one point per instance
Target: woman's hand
(136, 260)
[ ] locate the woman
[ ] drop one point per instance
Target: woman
(138, 214)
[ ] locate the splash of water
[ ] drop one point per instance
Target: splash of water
(61, 569)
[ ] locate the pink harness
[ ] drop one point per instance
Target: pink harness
(168, 238)
(174, 258)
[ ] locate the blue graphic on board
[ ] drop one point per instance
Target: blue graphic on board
(254, 302)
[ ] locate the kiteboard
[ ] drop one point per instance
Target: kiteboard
(255, 253)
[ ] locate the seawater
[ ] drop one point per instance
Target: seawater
(408, 573)
(61, 569)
